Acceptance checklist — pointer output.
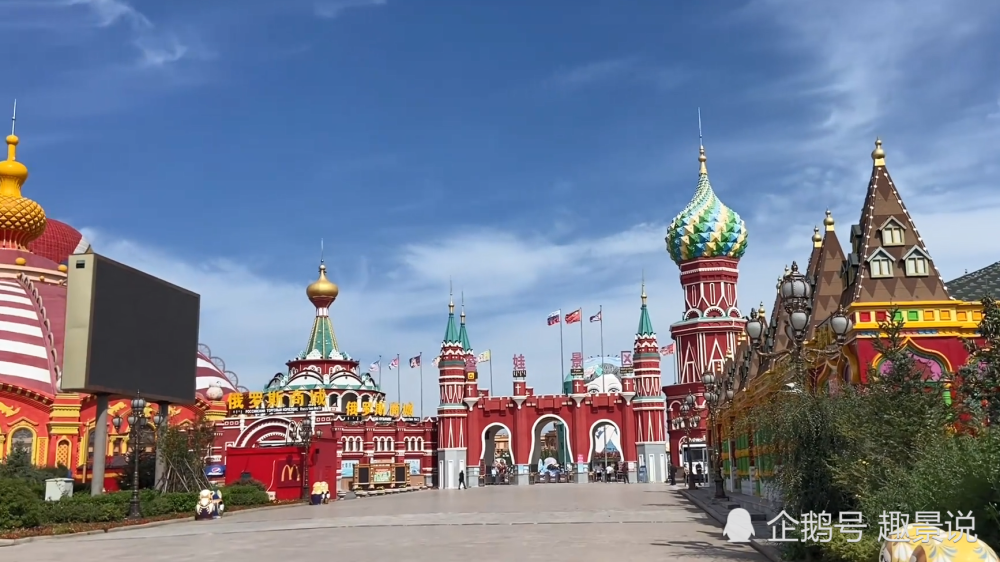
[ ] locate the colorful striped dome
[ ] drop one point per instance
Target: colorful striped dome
(706, 228)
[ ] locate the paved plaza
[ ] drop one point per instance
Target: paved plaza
(503, 523)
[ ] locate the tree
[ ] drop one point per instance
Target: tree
(979, 378)
(183, 451)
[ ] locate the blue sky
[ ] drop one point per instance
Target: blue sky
(531, 151)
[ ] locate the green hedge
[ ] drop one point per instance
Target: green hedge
(21, 507)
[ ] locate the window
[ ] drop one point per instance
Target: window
(892, 235)
(916, 266)
(22, 439)
(881, 267)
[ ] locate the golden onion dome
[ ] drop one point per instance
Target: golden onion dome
(21, 219)
(322, 289)
(817, 238)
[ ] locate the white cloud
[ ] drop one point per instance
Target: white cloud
(331, 9)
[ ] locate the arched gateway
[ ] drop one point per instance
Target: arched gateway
(470, 419)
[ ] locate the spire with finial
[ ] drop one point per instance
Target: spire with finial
(817, 238)
(878, 155)
(451, 331)
(702, 159)
(21, 219)
(828, 221)
(761, 311)
(322, 340)
(463, 335)
(645, 324)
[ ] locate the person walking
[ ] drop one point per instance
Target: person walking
(625, 474)
(461, 480)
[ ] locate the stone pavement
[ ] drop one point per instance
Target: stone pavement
(494, 524)
(760, 513)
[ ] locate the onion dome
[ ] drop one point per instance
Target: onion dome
(213, 381)
(21, 219)
(322, 339)
(322, 292)
(59, 242)
(706, 228)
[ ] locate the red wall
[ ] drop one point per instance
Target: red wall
(280, 468)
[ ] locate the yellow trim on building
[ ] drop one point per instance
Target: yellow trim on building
(948, 318)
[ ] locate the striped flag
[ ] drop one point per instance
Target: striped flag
(483, 357)
(575, 316)
(554, 318)
(596, 317)
(436, 361)
(394, 364)
(375, 366)
(667, 350)
(414, 362)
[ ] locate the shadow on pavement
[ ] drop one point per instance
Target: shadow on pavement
(730, 552)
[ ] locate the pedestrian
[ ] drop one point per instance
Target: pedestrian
(461, 480)
(699, 469)
(673, 474)
(625, 474)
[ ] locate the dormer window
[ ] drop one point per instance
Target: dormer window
(892, 233)
(880, 264)
(917, 262)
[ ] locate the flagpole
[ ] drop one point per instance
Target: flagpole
(399, 387)
(379, 363)
(420, 363)
(581, 331)
(600, 319)
(490, 351)
(562, 354)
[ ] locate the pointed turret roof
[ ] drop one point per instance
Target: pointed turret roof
(645, 324)
(884, 209)
(451, 334)
(826, 272)
(463, 336)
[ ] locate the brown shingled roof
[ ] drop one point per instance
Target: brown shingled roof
(883, 206)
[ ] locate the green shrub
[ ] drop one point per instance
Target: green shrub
(20, 505)
(245, 495)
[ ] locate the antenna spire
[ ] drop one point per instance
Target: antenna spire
(643, 295)
(451, 296)
(322, 252)
(701, 139)
(13, 118)
(703, 169)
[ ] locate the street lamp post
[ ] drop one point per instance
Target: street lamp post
(302, 435)
(688, 422)
(136, 419)
(718, 391)
(795, 290)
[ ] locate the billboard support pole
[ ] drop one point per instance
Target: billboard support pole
(100, 446)
(163, 414)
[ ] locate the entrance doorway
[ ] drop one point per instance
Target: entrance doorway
(497, 463)
(606, 462)
(551, 454)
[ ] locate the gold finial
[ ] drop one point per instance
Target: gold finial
(878, 155)
(817, 239)
(761, 311)
(828, 221)
(703, 169)
(21, 219)
(322, 292)
(463, 307)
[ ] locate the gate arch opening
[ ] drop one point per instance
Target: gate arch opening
(562, 432)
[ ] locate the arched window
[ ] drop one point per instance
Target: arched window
(23, 440)
(420, 443)
(333, 400)
(390, 444)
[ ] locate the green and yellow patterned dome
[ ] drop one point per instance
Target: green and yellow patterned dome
(706, 228)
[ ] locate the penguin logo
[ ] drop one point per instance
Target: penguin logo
(738, 526)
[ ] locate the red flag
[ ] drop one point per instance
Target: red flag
(575, 316)
(394, 364)
(667, 350)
